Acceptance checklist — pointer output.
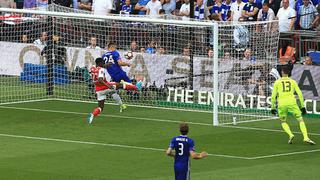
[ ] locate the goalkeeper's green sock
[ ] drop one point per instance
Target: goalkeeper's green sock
(286, 128)
(304, 131)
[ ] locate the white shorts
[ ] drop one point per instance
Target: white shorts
(102, 95)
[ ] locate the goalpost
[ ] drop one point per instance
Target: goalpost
(174, 60)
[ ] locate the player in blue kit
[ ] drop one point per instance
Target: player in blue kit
(181, 148)
(113, 64)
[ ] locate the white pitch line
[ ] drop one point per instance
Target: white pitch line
(263, 129)
(115, 116)
(284, 154)
(155, 149)
(250, 121)
(28, 101)
(149, 119)
(229, 156)
(168, 108)
(151, 149)
(108, 144)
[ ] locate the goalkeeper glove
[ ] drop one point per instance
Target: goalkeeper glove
(303, 111)
(273, 111)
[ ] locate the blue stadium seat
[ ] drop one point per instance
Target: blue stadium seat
(315, 56)
(37, 73)
(40, 79)
(26, 77)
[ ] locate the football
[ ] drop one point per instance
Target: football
(128, 55)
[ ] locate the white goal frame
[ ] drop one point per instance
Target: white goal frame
(212, 25)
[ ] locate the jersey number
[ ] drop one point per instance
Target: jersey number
(108, 60)
(94, 77)
(180, 149)
(286, 86)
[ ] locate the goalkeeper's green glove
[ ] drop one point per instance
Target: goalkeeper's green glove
(303, 111)
(273, 111)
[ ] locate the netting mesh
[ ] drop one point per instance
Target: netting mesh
(49, 57)
(247, 55)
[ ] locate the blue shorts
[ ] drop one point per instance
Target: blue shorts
(121, 76)
(181, 173)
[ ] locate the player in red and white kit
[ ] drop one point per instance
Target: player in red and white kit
(103, 87)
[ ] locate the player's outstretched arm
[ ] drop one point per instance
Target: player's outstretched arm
(100, 79)
(122, 63)
(201, 155)
(170, 152)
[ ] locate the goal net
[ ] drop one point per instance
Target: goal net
(48, 54)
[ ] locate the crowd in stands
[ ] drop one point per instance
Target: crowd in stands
(292, 14)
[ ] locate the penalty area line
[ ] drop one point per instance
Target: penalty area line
(108, 145)
(151, 149)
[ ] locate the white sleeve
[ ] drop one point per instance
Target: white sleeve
(148, 5)
(236, 36)
(188, 8)
(259, 17)
(293, 13)
(36, 42)
(315, 10)
(159, 6)
(109, 5)
(271, 17)
(101, 73)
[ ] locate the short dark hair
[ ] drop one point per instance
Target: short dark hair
(285, 70)
(99, 60)
(111, 44)
(184, 128)
(266, 4)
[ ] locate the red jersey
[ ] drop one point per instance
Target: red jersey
(96, 73)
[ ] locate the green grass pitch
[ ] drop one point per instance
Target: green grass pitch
(52, 140)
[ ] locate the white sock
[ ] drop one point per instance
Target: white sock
(117, 98)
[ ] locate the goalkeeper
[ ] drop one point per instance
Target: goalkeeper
(285, 88)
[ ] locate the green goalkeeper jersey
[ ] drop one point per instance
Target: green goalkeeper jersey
(285, 88)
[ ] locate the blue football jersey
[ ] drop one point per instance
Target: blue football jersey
(182, 145)
(224, 11)
(112, 58)
(127, 9)
(250, 8)
(216, 9)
